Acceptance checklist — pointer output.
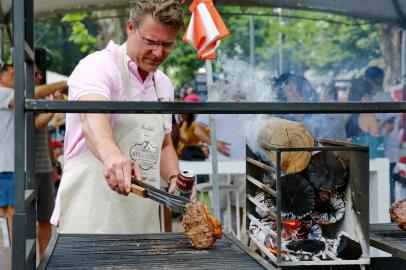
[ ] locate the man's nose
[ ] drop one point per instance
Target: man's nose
(158, 51)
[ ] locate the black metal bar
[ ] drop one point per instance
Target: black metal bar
(19, 229)
(279, 206)
(30, 210)
(29, 53)
(29, 197)
(30, 252)
(250, 252)
(312, 149)
(48, 252)
(212, 107)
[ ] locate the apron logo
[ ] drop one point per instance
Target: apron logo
(144, 154)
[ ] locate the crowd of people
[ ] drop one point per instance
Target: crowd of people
(380, 131)
(46, 173)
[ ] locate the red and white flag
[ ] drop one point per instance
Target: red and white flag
(206, 29)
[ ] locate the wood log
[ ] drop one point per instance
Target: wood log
(280, 132)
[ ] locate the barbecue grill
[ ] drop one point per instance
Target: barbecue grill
(145, 251)
(271, 235)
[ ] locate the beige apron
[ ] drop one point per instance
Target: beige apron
(87, 203)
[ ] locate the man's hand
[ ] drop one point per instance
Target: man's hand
(118, 171)
(223, 148)
(172, 188)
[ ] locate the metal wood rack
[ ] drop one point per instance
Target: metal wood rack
(24, 230)
(355, 221)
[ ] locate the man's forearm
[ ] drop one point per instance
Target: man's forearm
(42, 91)
(42, 120)
(99, 135)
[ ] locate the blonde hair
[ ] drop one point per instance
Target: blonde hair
(167, 12)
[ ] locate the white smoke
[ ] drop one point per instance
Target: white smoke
(239, 81)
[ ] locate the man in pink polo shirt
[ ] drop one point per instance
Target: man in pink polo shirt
(102, 151)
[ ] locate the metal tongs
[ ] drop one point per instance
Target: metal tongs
(175, 202)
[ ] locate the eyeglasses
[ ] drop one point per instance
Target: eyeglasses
(166, 46)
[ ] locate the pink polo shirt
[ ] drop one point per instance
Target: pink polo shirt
(99, 73)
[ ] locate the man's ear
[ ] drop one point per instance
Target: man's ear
(130, 27)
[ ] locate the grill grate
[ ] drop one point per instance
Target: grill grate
(147, 251)
(389, 238)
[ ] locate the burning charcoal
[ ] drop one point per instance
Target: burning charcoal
(265, 207)
(261, 236)
(346, 248)
(329, 208)
(297, 196)
(327, 171)
(397, 213)
(309, 230)
(306, 247)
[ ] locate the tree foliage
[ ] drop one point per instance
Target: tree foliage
(332, 43)
(68, 38)
(322, 42)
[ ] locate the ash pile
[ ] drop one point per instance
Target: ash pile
(307, 200)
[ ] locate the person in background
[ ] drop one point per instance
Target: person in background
(7, 143)
(388, 122)
(104, 152)
(363, 128)
(191, 95)
(296, 88)
(189, 143)
(7, 103)
(45, 174)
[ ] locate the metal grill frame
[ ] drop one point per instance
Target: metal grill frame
(24, 231)
(363, 184)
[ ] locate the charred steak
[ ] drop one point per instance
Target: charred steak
(201, 228)
(397, 213)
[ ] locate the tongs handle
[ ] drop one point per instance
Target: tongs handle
(140, 191)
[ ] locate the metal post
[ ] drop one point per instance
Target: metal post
(403, 74)
(2, 42)
(214, 160)
(252, 41)
(278, 206)
(280, 45)
(30, 209)
(19, 220)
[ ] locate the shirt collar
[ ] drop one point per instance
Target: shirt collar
(133, 68)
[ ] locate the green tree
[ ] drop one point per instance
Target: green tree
(67, 39)
(331, 43)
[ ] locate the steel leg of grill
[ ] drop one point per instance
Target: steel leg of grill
(237, 214)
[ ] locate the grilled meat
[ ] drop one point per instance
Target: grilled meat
(397, 213)
(201, 228)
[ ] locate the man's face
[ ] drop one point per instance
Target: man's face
(38, 76)
(149, 43)
(7, 78)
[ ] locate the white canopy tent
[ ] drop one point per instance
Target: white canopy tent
(385, 11)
